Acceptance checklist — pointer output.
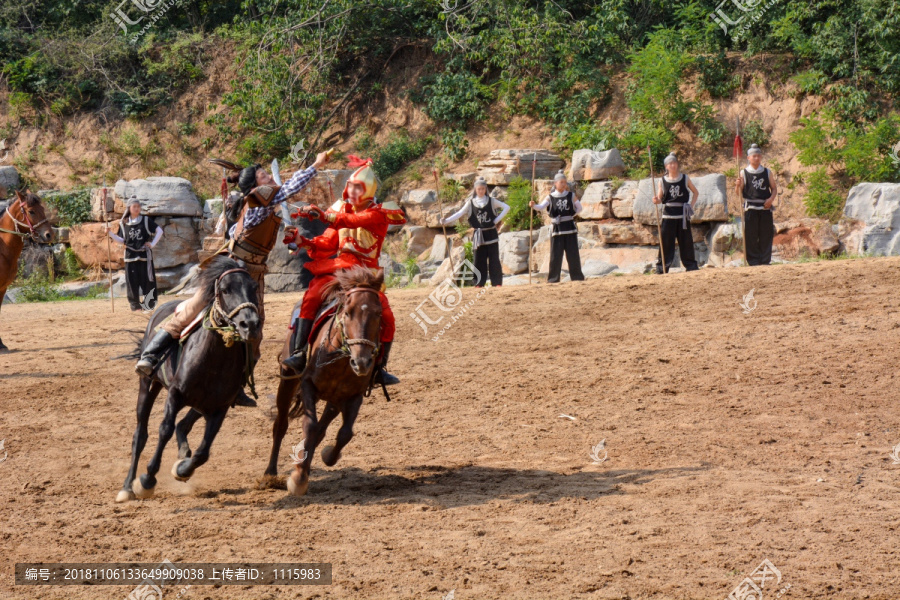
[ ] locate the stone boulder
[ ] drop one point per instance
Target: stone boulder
(514, 252)
(444, 271)
(162, 196)
(712, 202)
(725, 237)
(711, 206)
(594, 268)
(178, 245)
(418, 204)
(627, 232)
(622, 202)
(419, 239)
(875, 209)
(439, 251)
(502, 166)
(9, 181)
(113, 209)
(588, 165)
(807, 238)
(88, 242)
(596, 201)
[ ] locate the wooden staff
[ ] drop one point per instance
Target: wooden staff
(662, 253)
(531, 221)
(112, 296)
(738, 152)
(437, 191)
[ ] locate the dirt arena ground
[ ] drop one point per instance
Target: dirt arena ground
(731, 437)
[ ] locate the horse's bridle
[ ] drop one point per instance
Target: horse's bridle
(347, 342)
(27, 223)
(219, 313)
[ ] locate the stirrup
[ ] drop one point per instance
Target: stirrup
(385, 378)
(296, 362)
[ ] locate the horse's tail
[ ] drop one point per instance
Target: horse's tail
(138, 338)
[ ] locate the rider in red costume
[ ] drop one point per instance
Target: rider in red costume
(357, 228)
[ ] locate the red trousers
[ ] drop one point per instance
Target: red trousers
(312, 301)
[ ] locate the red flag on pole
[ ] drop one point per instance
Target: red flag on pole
(738, 142)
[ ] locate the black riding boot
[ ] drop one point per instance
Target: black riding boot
(296, 362)
(153, 352)
(383, 377)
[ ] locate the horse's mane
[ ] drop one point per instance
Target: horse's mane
(206, 279)
(31, 199)
(352, 278)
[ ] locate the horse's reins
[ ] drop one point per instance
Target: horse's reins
(343, 348)
(218, 311)
(31, 226)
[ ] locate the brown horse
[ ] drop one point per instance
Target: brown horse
(342, 357)
(23, 218)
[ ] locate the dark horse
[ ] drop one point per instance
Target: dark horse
(23, 218)
(342, 356)
(206, 374)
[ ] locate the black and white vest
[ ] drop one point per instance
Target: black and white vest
(757, 187)
(675, 192)
(483, 219)
(562, 214)
(136, 235)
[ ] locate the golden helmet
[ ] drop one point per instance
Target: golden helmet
(365, 175)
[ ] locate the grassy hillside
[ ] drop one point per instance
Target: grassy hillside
(89, 98)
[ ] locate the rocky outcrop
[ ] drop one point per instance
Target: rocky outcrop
(514, 252)
(596, 201)
(873, 214)
(9, 181)
(590, 165)
(162, 196)
(502, 166)
(711, 204)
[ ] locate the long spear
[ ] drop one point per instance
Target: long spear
(531, 220)
(112, 296)
(437, 191)
(662, 252)
(738, 153)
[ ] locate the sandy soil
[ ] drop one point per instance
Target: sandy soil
(732, 438)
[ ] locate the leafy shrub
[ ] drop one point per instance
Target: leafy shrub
(456, 146)
(710, 130)
(752, 132)
(455, 98)
(716, 75)
(520, 194)
(821, 199)
(810, 82)
(73, 207)
(400, 150)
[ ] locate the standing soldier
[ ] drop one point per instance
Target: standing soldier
(674, 193)
(485, 216)
(252, 238)
(564, 238)
(758, 189)
(140, 234)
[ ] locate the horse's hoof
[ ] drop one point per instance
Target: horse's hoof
(140, 491)
(175, 470)
(4, 350)
(125, 496)
(297, 489)
(329, 457)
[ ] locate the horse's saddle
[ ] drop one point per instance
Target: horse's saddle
(325, 312)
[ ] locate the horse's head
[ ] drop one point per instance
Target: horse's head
(360, 316)
(29, 216)
(233, 293)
